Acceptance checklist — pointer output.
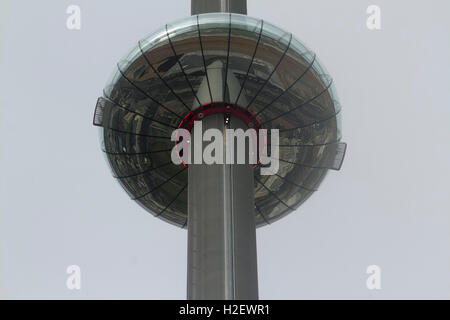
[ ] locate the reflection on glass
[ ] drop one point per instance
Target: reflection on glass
(219, 57)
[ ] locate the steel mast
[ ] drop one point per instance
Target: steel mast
(222, 262)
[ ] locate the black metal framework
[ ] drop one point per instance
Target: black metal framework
(281, 82)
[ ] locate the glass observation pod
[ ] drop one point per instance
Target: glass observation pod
(281, 85)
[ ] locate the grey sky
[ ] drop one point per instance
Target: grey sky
(389, 205)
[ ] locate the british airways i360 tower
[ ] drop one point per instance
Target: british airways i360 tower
(227, 70)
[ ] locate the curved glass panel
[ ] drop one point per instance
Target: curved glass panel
(219, 57)
(154, 39)
(244, 40)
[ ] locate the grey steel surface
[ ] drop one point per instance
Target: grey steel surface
(221, 227)
(206, 6)
(221, 219)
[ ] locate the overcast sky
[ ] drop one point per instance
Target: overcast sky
(388, 206)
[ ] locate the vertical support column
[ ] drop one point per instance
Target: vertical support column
(205, 6)
(221, 220)
(221, 226)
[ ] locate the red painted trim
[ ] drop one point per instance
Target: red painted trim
(225, 108)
